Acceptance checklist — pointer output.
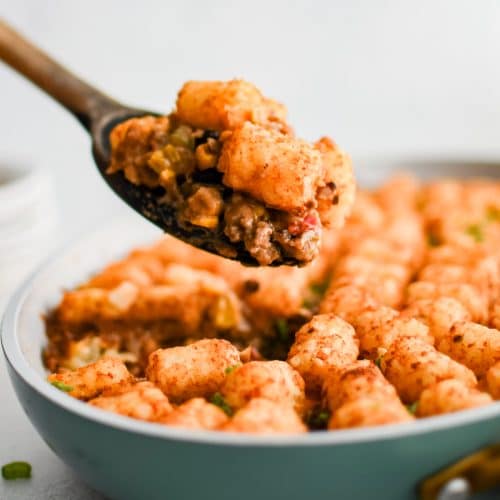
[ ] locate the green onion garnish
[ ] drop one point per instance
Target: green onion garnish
(16, 470)
(61, 386)
(433, 240)
(476, 232)
(230, 369)
(218, 400)
(282, 329)
(412, 408)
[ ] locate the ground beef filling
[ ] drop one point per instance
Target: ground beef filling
(183, 161)
(266, 232)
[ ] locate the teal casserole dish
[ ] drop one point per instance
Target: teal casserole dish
(128, 459)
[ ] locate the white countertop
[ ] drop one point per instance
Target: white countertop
(381, 77)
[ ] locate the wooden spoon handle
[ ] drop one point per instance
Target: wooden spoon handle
(78, 97)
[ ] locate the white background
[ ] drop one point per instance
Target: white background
(382, 77)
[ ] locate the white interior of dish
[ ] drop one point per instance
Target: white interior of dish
(23, 335)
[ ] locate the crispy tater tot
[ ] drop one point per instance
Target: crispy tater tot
(379, 328)
(383, 336)
(196, 414)
(142, 400)
(466, 294)
(195, 370)
(262, 416)
(183, 295)
(493, 380)
(495, 315)
(273, 380)
(281, 171)
(90, 380)
(449, 396)
(347, 302)
(412, 365)
(354, 264)
(476, 346)
(388, 289)
(399, 193)
(439, 315)
(367, 412)
(325, 341)
(358, 380)
(339, 180)
(217, 105)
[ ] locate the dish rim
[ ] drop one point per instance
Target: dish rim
(19, 363)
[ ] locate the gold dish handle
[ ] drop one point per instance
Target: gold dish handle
(472, 474)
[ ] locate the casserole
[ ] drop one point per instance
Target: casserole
(127, 459)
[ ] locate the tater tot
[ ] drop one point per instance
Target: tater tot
(196, 414)
(493, 380)
(195, 370)
(262, 416)
(338, 176)
(90, 380)
(387, 289)
(466, 294)
(142, 400)
(476, 346)
(281, 171)
(412, 365)
(384, 335)
(325, 341)
(358, 380)
(449, 396)
(367, 412)
(217, 105)
(439, 315)
(273, 380)
(347, 302)
(495, 315)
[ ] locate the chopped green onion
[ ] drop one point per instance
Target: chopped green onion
(230, 369)
(16, 470)
(412, 408)
(282, 328)
(317, 418)
(61, 386)
(433, 240)
(218, 400)
(378, 362)
(319, 288)
(476, 232)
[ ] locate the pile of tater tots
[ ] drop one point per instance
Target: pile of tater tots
(396, 319)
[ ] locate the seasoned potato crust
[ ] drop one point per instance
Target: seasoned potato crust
(281, 171)
(324, 342)
(473, 345)
(191, 371)
(413, 365)
(493, 380)
(90, 380)
(357, 380)
(142, 400)
(196, 414)
(396, 320)
(273, 380)
(227, 105)
(449, 396)
(263, 416)
(367, 412)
